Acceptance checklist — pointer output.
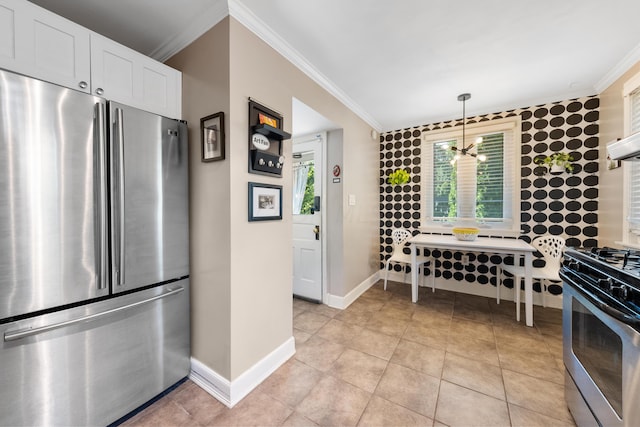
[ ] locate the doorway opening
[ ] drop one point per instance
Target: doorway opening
(309, 129)
(307, 218)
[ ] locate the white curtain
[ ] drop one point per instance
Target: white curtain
(300, 174)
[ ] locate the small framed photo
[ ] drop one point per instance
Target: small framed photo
(265, 202)
(212, 134)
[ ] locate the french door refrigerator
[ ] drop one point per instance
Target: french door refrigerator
(94, 266)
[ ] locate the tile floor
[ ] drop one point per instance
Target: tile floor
(452, 359)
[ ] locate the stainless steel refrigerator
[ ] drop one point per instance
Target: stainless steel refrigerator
(94, 257)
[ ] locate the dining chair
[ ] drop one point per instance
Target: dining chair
(400, 237)
(551, 248)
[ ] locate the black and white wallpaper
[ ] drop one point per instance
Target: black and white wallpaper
(565, 205)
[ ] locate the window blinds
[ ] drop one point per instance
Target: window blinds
(470, 189)
(490, 187)
(634, 188)
(444, 180)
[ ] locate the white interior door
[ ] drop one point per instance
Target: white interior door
(307, 218)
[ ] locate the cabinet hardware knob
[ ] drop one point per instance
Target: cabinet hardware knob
(99, 91)
(83, 84)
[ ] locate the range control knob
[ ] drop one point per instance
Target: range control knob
(605, 284)
(620, 292)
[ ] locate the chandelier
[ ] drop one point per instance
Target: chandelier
(464, 151)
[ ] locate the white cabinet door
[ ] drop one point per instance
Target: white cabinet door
(40, 44)
(114, 71)
(9, 21)
(126, 76)
(161, 88)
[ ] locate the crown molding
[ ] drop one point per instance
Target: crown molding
(618, 70)
(203, 23)
(247, 18)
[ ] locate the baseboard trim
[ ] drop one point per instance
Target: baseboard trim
(232, 392)
(506, 294)
(345, 301)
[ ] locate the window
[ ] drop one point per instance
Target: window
(303, 188)
(466, 190)
(631, 225)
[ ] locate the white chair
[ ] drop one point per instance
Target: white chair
(551, 248)
(400, 236)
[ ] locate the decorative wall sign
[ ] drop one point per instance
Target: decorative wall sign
(265, 140)
(212, 134)
(260, 141)
(265, 202)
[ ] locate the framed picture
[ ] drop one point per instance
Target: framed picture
(265, 202)
(212, 134)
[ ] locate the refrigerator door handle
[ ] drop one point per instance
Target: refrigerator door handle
(28, 332)
(100, 199)
(119, 230)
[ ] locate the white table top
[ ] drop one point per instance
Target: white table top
(481, 244)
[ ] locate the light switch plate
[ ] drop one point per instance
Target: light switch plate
(352, 199)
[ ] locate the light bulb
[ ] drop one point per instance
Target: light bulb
(482, 157)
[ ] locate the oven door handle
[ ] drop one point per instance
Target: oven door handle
(593, 299)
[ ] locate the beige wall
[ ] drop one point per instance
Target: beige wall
(242, 271)
(611, 181)
(205, 90)
(261, 295)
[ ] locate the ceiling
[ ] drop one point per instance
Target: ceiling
(400, 64)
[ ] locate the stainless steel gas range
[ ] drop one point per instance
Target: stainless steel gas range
(601, 334)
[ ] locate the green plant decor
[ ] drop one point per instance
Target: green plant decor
(561, 159)
(399, 177)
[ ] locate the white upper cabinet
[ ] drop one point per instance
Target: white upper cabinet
(41, 44)
(126, 76)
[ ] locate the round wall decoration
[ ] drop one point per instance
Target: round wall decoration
(336, 170)
(260, 141)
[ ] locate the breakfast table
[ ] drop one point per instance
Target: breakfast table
(516, 247)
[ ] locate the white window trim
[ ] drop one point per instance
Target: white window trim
(509, 124)
(629, 238)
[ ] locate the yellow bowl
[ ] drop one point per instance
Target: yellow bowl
(465, 233)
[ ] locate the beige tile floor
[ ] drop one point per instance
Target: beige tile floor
(452, 359)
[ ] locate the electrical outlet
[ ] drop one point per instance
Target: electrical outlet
(465, 260)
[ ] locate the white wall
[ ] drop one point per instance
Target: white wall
(611, 189)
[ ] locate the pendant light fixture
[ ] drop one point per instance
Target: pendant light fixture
(464, 151)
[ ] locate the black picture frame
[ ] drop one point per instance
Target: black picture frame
(212, 137)
(265, 202)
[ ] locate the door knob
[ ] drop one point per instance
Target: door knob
(316, 230)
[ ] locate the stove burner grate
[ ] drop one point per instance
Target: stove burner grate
(623, 259)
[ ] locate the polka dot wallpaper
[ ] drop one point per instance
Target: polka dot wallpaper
(565, 205)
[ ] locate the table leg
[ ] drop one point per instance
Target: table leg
(414, 274)
(528, 288)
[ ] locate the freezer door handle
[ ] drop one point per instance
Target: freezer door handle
(119, 229)
(100, 200)
(28, 332)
